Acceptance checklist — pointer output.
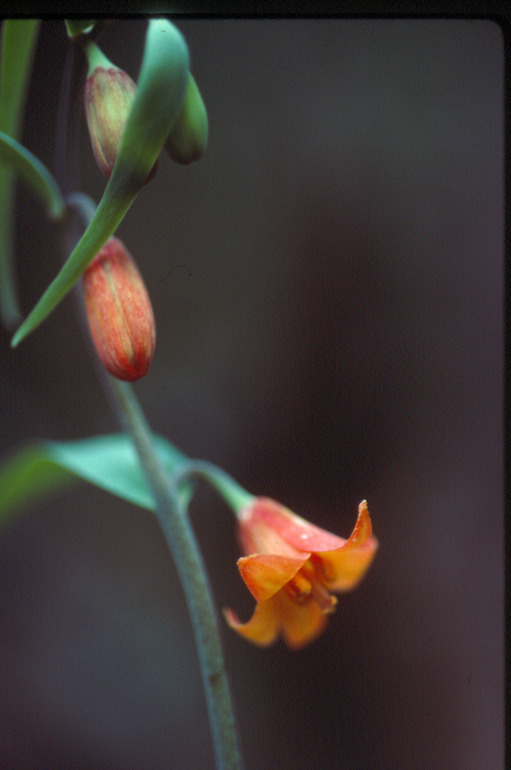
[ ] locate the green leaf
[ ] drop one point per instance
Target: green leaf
(160, 93)
(18, 46)
(77, 27)
(33, 173)
(109, 214)
(109, 462)
(162, 81)
(19, 38)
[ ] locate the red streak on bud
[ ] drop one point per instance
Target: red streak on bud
(119, 312)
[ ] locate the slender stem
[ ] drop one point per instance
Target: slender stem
(83, 205)
(232, 492)
(66, 151)
(176, 527)
(172, 516)
(95, 57)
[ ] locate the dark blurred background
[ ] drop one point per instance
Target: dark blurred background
(336, 333)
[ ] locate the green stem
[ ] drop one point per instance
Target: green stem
(95, 57)
(233, 493)
(174, 522)
(83, 205)
(176, 527)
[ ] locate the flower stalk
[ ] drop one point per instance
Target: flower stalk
(173, 519)
(233, 493)
(174, 522)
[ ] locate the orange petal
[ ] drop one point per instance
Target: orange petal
(301, 623)
(295, 531)
(262, 628)
(363, 527)
(344, 569)
(265, 574)
(346, 566)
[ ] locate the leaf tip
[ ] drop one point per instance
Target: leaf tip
(17, 337)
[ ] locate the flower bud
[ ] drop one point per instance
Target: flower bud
(108, 95)
(189, 136)
(119, 312)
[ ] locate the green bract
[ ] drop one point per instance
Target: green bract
(160, 93)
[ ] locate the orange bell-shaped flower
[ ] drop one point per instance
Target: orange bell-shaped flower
(292, 567)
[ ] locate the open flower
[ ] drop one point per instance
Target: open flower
(291, 568)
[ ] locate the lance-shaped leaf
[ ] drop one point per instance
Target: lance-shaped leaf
(109, 462)
(19, 37)
(160, 93)
(34, 173)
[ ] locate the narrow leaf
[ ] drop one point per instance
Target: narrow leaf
(18, 45)
(159, 97)
(33, 173)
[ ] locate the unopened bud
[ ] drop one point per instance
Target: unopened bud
(108, 96)
(189, 136)
(119, 312)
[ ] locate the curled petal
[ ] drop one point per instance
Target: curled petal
(265, 574)
(362, 529)
(263, 626)
(298, 624)
(345, 567)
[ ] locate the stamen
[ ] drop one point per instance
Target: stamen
(325, 600)
(308, 584)
(299, 588)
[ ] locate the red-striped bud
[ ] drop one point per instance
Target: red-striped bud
(119, 311)
(108, 96)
